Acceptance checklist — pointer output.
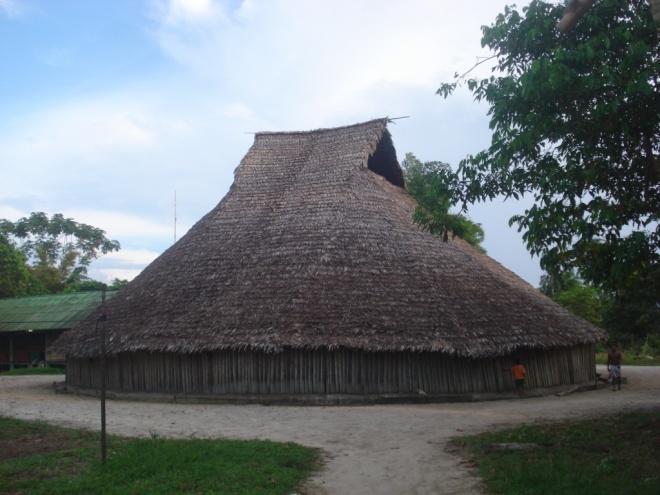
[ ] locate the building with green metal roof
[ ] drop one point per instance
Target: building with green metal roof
(29, 325)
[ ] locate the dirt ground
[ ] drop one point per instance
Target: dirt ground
(383, 449)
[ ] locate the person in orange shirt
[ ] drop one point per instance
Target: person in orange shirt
(518, 373)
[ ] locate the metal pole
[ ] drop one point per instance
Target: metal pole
(11, 352)
(103, 372)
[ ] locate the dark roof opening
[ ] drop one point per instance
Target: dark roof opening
(383, 161)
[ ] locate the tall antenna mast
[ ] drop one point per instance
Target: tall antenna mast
(174, 216)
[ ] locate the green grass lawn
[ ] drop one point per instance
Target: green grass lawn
(38, 458)
(616, 455)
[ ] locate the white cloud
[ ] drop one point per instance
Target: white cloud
(110, 274)
(13, 8)
(76, 134)
(191, 8)
(96, 125)
(122, 225)
(131, 257)
(318, 63)
(113, 158)
(98, 146)
(183, 12)
(117, 226)
(237, 110)
(11, 213)
(125, 264)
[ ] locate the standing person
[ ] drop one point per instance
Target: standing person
(518, 373)
(614, 362)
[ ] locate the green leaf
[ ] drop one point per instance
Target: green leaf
(576, 122)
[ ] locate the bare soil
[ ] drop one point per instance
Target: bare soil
(33, 445)
(383, 449)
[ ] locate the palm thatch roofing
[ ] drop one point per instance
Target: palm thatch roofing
(314, 247)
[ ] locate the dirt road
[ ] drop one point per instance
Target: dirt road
(388, 450)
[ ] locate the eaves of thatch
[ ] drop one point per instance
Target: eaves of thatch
(314, 248)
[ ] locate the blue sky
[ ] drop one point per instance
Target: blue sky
(110, 108)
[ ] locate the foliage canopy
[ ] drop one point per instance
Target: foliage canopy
(14, 273)
(426, 183)
(576, 125)
(57, 250)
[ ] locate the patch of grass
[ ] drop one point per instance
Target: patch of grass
(630, 360)
(33, 371)
(14, 429)
(615, 455)
(151, 465)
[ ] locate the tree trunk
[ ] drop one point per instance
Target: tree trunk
(575, 9)
(655, 9)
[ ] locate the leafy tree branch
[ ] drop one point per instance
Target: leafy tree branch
(57, 250)
(431, 184)
(576, 124)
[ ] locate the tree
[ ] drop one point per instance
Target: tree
(631, 321)
(576, 124)
(558, 282)
(95, 285)
(58, 250)
(575, 9)
(425, 183)
(118, 283)
(14, 273)
(583, 301)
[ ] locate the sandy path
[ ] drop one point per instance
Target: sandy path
(388, 450)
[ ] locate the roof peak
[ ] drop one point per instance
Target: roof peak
(383, 121)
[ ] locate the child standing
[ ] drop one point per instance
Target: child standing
(518, 373)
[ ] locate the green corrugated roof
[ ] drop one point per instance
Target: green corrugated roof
(55, 311)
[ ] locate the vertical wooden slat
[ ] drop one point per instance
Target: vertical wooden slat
(321, 371)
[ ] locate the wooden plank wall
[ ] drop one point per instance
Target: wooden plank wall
(344, 371)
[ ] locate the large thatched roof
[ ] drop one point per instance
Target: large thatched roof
(314, 247)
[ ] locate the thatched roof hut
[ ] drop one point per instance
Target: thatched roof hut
(310, 277)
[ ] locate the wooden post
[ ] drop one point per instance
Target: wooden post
(103, 371)
(11, 351)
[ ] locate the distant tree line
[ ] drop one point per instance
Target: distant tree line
(50, 255)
